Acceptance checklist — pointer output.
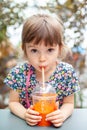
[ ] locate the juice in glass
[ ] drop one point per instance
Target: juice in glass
(44, 104)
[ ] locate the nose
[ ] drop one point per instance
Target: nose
(42, 58)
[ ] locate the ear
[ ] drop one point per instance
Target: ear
(59, 51)
(63, 49)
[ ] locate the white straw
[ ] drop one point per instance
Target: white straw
(43, 77)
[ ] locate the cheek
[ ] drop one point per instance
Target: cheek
(52, 59)
(32, 60)
(56, 54)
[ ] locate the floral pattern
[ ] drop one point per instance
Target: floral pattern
(64, 80)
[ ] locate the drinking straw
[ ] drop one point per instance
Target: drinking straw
(43, 77)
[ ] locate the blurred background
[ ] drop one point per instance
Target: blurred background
(74, 16)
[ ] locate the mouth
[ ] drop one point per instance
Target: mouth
(42, 67)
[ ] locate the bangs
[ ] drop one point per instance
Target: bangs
(42, 28)
(47, 34)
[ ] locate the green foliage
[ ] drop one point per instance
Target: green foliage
(11, 13)
(74, 15)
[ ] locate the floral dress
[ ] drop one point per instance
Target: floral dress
(63, 79)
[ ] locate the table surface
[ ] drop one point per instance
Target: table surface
(8, 121)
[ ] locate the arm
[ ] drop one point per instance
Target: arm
(15, 106)
(68, 106)
(29, 115)
(60, 115)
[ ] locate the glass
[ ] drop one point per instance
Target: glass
(44, 101)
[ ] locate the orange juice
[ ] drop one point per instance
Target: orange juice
(44, 101)
(44, 107)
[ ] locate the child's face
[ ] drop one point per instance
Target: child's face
(42, 56)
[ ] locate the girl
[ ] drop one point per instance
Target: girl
(43, 46)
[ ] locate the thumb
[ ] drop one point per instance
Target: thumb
(57, 105)
(31, 107)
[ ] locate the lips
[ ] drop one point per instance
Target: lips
(42, 67)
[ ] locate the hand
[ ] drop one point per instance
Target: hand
(32, 117)
(56, 118)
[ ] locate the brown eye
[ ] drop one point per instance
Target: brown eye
(34, 50)
(50, 50)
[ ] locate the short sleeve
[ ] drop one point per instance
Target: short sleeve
(72, 82)
(16, 78)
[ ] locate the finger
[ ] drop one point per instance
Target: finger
(55, 118)
(58, 124)
(57, 112)
(57, 105)
(56, 121)
(33, 117)
(31, 111)
(32, 124)
(33, 120)
(31, 107)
